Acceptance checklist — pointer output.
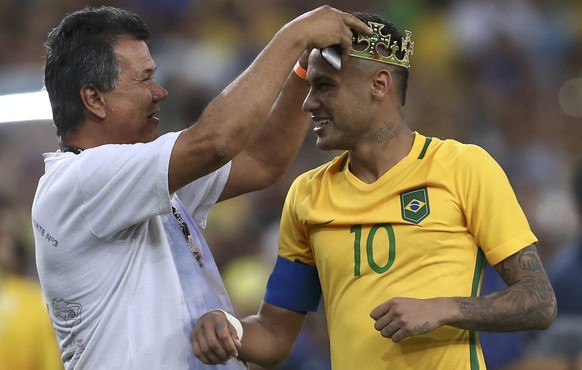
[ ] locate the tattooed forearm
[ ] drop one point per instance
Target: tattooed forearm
(386, 134)
(522, 263)
(527, 303)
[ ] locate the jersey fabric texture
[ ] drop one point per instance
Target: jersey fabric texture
(27, 340)
(122, 287)
(424, 229)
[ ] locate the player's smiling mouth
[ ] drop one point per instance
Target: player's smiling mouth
(320, 122)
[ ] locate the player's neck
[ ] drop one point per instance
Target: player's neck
(372, 162)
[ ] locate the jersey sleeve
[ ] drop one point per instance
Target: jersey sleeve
(294, 241)
(493, 213)
(294, 283)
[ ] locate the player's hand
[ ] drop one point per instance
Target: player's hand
(401, 318)
(214, 339)
(326, 26)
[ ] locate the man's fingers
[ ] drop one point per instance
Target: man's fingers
(398, 335)
(213, 342)
(357, 25)
(393, 332)
(336, 24)
(203, 351)
(354, 24)
(388, 330)
(219, 326)
(216, 353)
(380, 310)
(226, 334)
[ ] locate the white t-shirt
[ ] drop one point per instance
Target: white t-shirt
(122, 287)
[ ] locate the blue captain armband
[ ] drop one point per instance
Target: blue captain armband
(294, 286)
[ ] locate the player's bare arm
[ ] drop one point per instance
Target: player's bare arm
(528, 303)
(267, 340)
(237, 114)
(274, 148)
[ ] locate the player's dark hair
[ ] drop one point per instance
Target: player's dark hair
(79, 52)
(399, 74)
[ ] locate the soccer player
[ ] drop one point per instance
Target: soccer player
(397, 231)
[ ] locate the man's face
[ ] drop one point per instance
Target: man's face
(132, 106)
(337, 101)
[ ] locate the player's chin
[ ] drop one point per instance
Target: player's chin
(324, 144)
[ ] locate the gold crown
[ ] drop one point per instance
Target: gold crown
(379, 49)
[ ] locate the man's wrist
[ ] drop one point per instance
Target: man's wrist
(300, 71)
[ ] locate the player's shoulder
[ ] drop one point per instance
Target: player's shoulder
(330, 168)
(451, 151)
(462, 161)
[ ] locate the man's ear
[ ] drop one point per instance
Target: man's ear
(381, 83)
(94, 101)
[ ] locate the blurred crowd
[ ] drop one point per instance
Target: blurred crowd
(503, 74)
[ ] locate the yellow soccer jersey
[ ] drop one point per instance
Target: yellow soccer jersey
(27, 339)
(424, 229)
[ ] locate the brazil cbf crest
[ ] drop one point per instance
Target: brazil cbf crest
(415, 205)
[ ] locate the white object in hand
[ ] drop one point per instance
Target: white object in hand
(234, 322)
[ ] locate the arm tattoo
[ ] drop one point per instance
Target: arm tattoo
(527, 303)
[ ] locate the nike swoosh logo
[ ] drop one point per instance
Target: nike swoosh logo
(319, 223)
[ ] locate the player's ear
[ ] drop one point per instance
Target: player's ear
(93, 100)
(381, 83)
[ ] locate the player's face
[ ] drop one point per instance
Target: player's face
(338, 105)
(133, 104)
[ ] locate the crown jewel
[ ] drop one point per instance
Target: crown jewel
(378, 47)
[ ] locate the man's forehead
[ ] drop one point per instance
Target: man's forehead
(317, 61)
(317, 64)
(135, 53)
(132, 48)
